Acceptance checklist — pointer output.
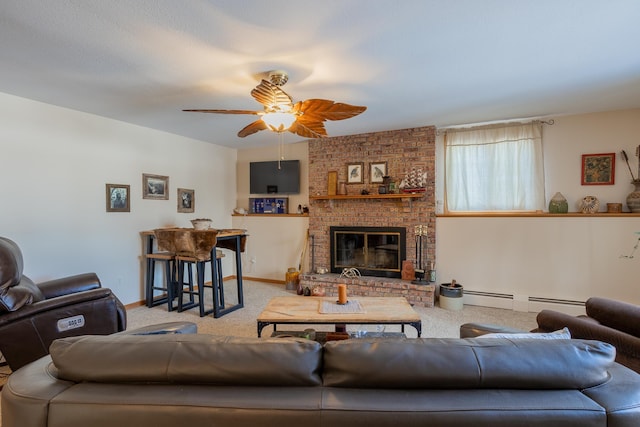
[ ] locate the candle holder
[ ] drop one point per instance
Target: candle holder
(420, 233)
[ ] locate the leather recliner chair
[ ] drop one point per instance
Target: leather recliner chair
(33, 315)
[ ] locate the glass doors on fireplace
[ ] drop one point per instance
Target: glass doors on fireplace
(374, 251)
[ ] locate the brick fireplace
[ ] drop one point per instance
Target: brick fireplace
(401, 150)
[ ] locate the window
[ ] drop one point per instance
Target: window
(494, 168)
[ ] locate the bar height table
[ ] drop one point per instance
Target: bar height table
(232, 239)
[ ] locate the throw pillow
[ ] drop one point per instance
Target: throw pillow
(562, 334)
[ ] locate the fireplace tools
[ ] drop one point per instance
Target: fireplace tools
(420, 232)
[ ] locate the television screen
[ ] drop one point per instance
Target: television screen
(275, 177)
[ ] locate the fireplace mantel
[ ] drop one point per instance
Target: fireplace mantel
(369, 196)
(406, 198)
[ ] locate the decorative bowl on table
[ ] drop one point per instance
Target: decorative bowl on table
(201, 223)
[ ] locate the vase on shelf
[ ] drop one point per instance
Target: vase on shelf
(558, 204)
(633, 199)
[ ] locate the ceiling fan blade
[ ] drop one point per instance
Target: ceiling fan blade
(226, 111)
(324, 109)
(271, 96)
(308, 128)
(252, 128)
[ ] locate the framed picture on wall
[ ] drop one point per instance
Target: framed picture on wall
(186, 200)
(598, 169)
(377, 171)
(117, 198)
(355, 173)
(155, 187)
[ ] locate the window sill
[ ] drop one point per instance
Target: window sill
(534, 215)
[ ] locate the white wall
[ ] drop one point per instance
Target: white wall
(274, 244)
(559, 258)
(55, 163)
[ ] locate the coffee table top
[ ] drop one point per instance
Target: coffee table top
(307, 310)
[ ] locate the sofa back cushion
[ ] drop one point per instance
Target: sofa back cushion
(431, 363)
(188, 359)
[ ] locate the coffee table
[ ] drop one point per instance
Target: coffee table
(302, 310)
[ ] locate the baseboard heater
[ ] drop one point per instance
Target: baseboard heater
(541, 300)
(556, 301)
(488, 294)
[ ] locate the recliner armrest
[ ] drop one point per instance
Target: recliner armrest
(69, 285)
(618, 315)
(47, 305)
(587, 328)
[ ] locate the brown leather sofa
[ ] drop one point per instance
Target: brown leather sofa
(614, 322)
(33, 315)
(202, 380)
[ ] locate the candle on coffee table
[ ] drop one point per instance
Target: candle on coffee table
(342, 294)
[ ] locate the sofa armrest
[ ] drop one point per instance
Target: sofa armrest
(618, 315)
(620, 396)
(69, 285)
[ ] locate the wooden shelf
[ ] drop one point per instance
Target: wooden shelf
(369, 196)
(538, 214)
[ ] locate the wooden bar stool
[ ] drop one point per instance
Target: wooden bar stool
(168, 288)
(186, 262)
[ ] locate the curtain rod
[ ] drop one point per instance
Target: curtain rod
(439, 131)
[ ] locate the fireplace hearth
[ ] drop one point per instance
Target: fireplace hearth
(374, 251)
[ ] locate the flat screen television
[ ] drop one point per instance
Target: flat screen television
(274, 177)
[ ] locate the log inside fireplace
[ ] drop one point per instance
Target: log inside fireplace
(374, 251)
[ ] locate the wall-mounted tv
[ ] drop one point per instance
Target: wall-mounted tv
(275, 177)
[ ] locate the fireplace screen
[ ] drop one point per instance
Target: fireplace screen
(374, 251)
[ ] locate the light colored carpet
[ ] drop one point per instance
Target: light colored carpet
(436, 322)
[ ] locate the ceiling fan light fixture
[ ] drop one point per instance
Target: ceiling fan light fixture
(280, 114)
(278, 122)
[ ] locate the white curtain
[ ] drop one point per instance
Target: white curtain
(495, 168)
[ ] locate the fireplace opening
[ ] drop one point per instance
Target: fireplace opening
(374, 251)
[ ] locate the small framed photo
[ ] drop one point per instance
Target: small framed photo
(155, 187)
(354, 173)
(186, 200)
(117, 197)
(377, 171)
(598, 169)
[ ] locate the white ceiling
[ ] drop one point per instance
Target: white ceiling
(411, 62)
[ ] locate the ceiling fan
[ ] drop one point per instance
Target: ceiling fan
(280, 114)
